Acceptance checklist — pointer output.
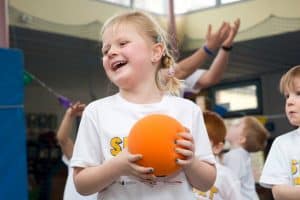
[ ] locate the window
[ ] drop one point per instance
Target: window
(185, 6)
(237, 99)
(228, 1)
(180, 6)
(120, 2)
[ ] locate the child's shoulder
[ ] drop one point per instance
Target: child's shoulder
(236, 153)
(182, 101)
(102, 102)
(288, 138)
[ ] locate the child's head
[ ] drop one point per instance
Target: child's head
(290, 87)
(135, 48)
(248, 133)
(216, 130)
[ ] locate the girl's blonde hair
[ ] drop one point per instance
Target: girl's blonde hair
(150, 28)
(256, 134)
(286, 81)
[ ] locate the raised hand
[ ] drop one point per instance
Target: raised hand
(76, 109)
(215, 39)
(233, 31)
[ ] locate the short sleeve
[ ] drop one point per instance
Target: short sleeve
(87, 149)
(276, 169)
(65, 160)
(190, 82)
(202, 144)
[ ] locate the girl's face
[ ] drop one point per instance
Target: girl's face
(235, 132)
(292, 104)
(127, 56)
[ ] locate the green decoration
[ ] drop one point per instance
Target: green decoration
(27, 78)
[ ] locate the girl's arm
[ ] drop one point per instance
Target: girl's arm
(214, 74)
(64, 131)
(213, 42)
(94, 179)
(200, 174)
(286, 192)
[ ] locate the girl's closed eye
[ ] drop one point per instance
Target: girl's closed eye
(105, 50)
(123, 43)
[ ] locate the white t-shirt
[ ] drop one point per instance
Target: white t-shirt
(70, 192)
(104, 128)
(226, 187)
(191, 81)
(239, 161)
(282, 166)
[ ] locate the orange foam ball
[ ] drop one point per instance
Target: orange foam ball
(154, 137)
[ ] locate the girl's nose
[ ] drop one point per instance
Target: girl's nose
(112, 52)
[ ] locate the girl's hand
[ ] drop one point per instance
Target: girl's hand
(185, 147)
(233, 31)
(215, 39)
(128, 167)
(76, 109)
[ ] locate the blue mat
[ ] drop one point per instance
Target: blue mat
(13, 167)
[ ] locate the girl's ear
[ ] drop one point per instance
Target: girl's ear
(157, 52)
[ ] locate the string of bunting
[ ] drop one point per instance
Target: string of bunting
(63, 101)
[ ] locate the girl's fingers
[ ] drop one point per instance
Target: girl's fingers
(184, 152)
(225, 29)
(186, 136)
(222, 27)
(183, 162)
(147, 177)
(185, 148)
(208, 30)
(133, 158)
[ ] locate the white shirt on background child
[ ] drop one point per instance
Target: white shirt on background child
(239, 161)
(191, 81)
(282, 166)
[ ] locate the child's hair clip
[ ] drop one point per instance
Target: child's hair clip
(171, 71)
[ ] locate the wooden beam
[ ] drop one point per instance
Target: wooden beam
(172, 29)
(4, 33)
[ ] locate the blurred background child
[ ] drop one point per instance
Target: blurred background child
(246, 136)
(227, 185)
(66, 144)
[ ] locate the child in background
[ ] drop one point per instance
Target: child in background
(66, 143)
(227, 185)
(245, 137)
(281, 171)
(134, 51)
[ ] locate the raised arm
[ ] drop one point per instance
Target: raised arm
(64, 131)
(214, 74)
(213, 42)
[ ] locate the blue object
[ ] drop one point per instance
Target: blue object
(13, 167)
(208, 51)
(221, 110)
